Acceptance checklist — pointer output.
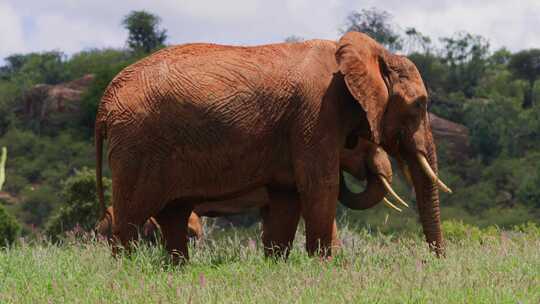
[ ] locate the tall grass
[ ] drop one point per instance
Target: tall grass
(228, 267)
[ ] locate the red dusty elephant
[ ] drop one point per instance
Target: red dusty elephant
(206, 122)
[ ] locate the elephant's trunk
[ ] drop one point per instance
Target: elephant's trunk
(371, 196)
(427, 197)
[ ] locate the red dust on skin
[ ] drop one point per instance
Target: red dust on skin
(206, 122)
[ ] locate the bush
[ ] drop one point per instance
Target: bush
(38, 203)
(80, 207)
(15, 184)
(93, 60)
(530, 228)
(458, 231)
(9, 228)
(43, 159)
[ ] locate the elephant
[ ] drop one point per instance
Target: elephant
(148, 232)
(365, 158)
(207, 122)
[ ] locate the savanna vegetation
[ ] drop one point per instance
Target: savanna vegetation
(482, 266)
(492, 216)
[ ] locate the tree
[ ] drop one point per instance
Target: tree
(526, 65)
(9, 228)
(466, 55)
(26, 70)
(13, 64)
(375, 23)
(416, 42)
(293, 38)
(500, 57)
(144, 32)
(80, 206)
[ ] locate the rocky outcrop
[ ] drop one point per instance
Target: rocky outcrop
(50, 106)
(6, 197)
(451, 137)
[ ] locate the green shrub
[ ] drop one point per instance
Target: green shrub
(455, 230)
(80, 204)
(93, 60)
(15, 184)
(43, 159)
(530, 228)
(38, 203)
(9, 228)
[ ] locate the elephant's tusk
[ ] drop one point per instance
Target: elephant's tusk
(389, 204)
(394, 194)
(427, 169)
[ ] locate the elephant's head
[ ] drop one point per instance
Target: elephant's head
(391, 92)
(367, 161)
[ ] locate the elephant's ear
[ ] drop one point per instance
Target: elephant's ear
(360, 60)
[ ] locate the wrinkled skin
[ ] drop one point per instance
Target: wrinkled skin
(205, 122)
(365, 158)
(397, 118)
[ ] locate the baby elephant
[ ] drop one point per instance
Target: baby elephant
(150, 228)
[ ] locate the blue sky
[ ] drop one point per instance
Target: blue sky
(72, 25)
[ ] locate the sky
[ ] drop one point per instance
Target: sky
(72, 25)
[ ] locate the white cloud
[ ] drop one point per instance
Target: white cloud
(505, 23)
(70, 35)
(72, 25)
(11, 37)
(221, 10)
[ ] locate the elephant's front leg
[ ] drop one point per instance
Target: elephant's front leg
(280, 220)
(318, 185)
(319, 213)
(173, 221)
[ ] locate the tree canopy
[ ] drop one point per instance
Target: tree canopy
(144, 32)
(526, 65)
(377, 24)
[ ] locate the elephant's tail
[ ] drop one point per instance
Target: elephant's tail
(98, 138)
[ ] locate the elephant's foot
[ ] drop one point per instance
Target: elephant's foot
(280, 219)
(173, 220)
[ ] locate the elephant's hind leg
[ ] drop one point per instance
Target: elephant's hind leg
(129, 223)
(137, 195)
(280, 220)
(173, 220)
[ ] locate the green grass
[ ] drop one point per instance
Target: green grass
(229, 267)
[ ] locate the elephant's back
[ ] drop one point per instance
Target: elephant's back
(274, 60)
(203, 94)
(206, 86)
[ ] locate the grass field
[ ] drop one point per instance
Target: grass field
(229, 267)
